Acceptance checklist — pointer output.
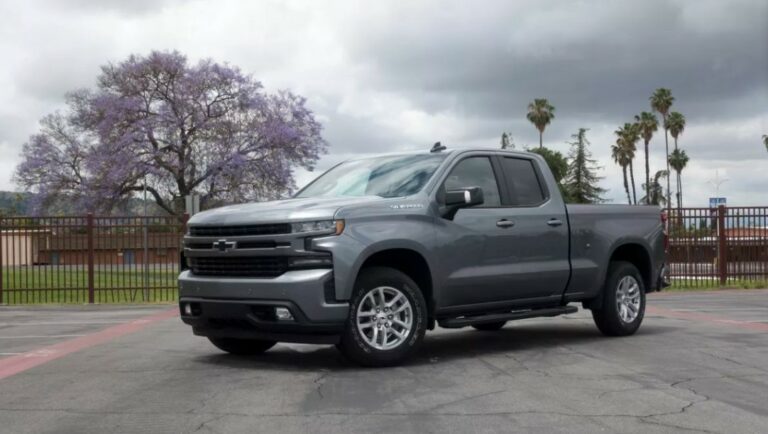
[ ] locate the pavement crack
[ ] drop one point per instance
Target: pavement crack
(320, 382)
(204, 424)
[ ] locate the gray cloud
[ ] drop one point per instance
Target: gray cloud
(385, 76)
(594, 61)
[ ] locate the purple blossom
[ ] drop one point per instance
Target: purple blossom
(206, 128)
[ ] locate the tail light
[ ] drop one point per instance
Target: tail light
(664, 229)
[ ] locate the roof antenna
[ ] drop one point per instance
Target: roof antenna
(437, 147)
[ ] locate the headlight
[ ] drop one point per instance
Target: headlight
(331, 226)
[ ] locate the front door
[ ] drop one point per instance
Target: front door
(479, 241)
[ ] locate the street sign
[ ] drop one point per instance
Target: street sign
(714, 202)
(192, 203)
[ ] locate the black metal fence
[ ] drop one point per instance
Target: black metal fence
(89, 259)
(718, 246)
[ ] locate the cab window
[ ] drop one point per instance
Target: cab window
(523, 183)
(475, 172)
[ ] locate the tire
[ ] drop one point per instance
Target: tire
(611, 318)
(242, 347)
(490, 327)
(374, 340)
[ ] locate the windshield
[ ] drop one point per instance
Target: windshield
(394, 176)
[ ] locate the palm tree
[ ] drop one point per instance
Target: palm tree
(541, 113)
(676, 125)
(655, 190)
(661, 101)
(678, 160)
(648, 125)
(765, 141)
(619, 155)
(627, 137)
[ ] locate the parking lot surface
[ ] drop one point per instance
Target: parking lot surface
(698, 364)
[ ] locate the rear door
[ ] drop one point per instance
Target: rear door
(540, 266)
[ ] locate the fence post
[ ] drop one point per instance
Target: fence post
(182, 260)
(722, 247)
(90, 259)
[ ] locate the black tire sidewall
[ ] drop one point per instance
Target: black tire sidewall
(354, 346)
(242, 347)
(607, 318)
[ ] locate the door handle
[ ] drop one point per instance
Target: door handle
(555, 222)
(504, 223)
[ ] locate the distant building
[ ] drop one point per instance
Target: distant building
(26, 247)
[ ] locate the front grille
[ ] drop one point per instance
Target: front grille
(244, 230)
(240, 245)
(239, 266)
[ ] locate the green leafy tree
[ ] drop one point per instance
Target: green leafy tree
(661, 101)
(557, 163)
(541, 113)
(580, 179)
(507, 142)
(676, 123)
(655, 190)
(678, 160)
(648, 125)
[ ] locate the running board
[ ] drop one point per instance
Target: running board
(463, 321)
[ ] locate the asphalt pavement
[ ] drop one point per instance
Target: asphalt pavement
(698, 364)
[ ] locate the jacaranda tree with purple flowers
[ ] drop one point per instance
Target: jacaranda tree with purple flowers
(203, 128)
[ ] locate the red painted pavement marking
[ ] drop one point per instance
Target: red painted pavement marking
(698, 316)
(15, 364)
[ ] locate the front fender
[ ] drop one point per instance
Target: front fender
(360, 241)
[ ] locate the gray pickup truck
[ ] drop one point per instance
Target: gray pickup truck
(376, 251)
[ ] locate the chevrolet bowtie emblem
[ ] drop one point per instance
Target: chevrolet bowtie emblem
(224, 245)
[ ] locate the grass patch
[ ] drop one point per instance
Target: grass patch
(52, 285)
(714, 285)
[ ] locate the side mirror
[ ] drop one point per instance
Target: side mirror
(463, 198)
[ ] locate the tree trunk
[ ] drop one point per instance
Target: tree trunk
(626, 185)
(666, 147)
(541, 139)
(677, 181)
(647, 176)
(680, 180)
(632, 178)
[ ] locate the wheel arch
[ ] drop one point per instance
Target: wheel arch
(408, 261)
(638, 255)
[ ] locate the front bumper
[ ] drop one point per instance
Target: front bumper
(242, 307)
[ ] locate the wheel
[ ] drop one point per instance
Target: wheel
(623, 304)
(242, 347)
(490, 327)
(387, 318)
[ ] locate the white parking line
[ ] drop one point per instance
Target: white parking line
(40, 337)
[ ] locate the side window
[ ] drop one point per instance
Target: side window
(524, 186)
(475, 172)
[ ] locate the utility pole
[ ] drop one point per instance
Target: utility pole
(717, 182)
(722, 267)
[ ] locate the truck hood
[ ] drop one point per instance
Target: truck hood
(278, 211)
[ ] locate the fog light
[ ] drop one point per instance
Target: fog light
(188, 309)
(283, 314)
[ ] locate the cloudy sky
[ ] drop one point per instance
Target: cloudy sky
(385, 76)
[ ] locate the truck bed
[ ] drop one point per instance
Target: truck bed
(596, 230)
